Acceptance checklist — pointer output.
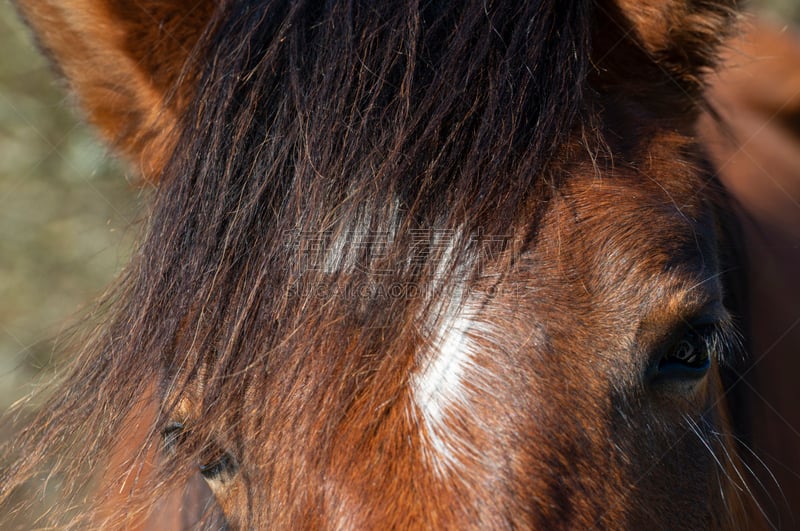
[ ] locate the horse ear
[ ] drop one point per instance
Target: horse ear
(680, 38)
(125, 62)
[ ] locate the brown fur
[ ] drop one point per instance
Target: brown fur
(125, 61)
(562, 130)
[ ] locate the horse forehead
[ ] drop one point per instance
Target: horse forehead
(606, 247)
(613, 253)
(632, 227)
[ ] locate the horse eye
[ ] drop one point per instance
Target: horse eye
(688, 358)
(221, 469)
(172, 434)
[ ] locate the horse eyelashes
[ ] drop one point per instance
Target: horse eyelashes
(221, 469)
(172, 434)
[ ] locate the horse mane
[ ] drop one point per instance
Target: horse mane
(328, 123)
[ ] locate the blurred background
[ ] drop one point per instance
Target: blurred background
(68, 211)
(787, 10)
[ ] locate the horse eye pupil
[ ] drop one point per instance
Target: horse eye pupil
(690, 351)
(684, 351)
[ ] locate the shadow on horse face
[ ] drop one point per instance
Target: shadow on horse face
(413, 266)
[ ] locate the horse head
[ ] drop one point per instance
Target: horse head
(413, 264)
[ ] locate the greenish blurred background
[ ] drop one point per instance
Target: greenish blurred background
(788, 10)
(68, 210)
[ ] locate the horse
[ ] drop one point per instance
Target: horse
(408, 265)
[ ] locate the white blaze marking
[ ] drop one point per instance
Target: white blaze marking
(439, 387)
(439, 384)
(438, 390)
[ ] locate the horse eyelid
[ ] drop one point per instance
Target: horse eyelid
(220, 469)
